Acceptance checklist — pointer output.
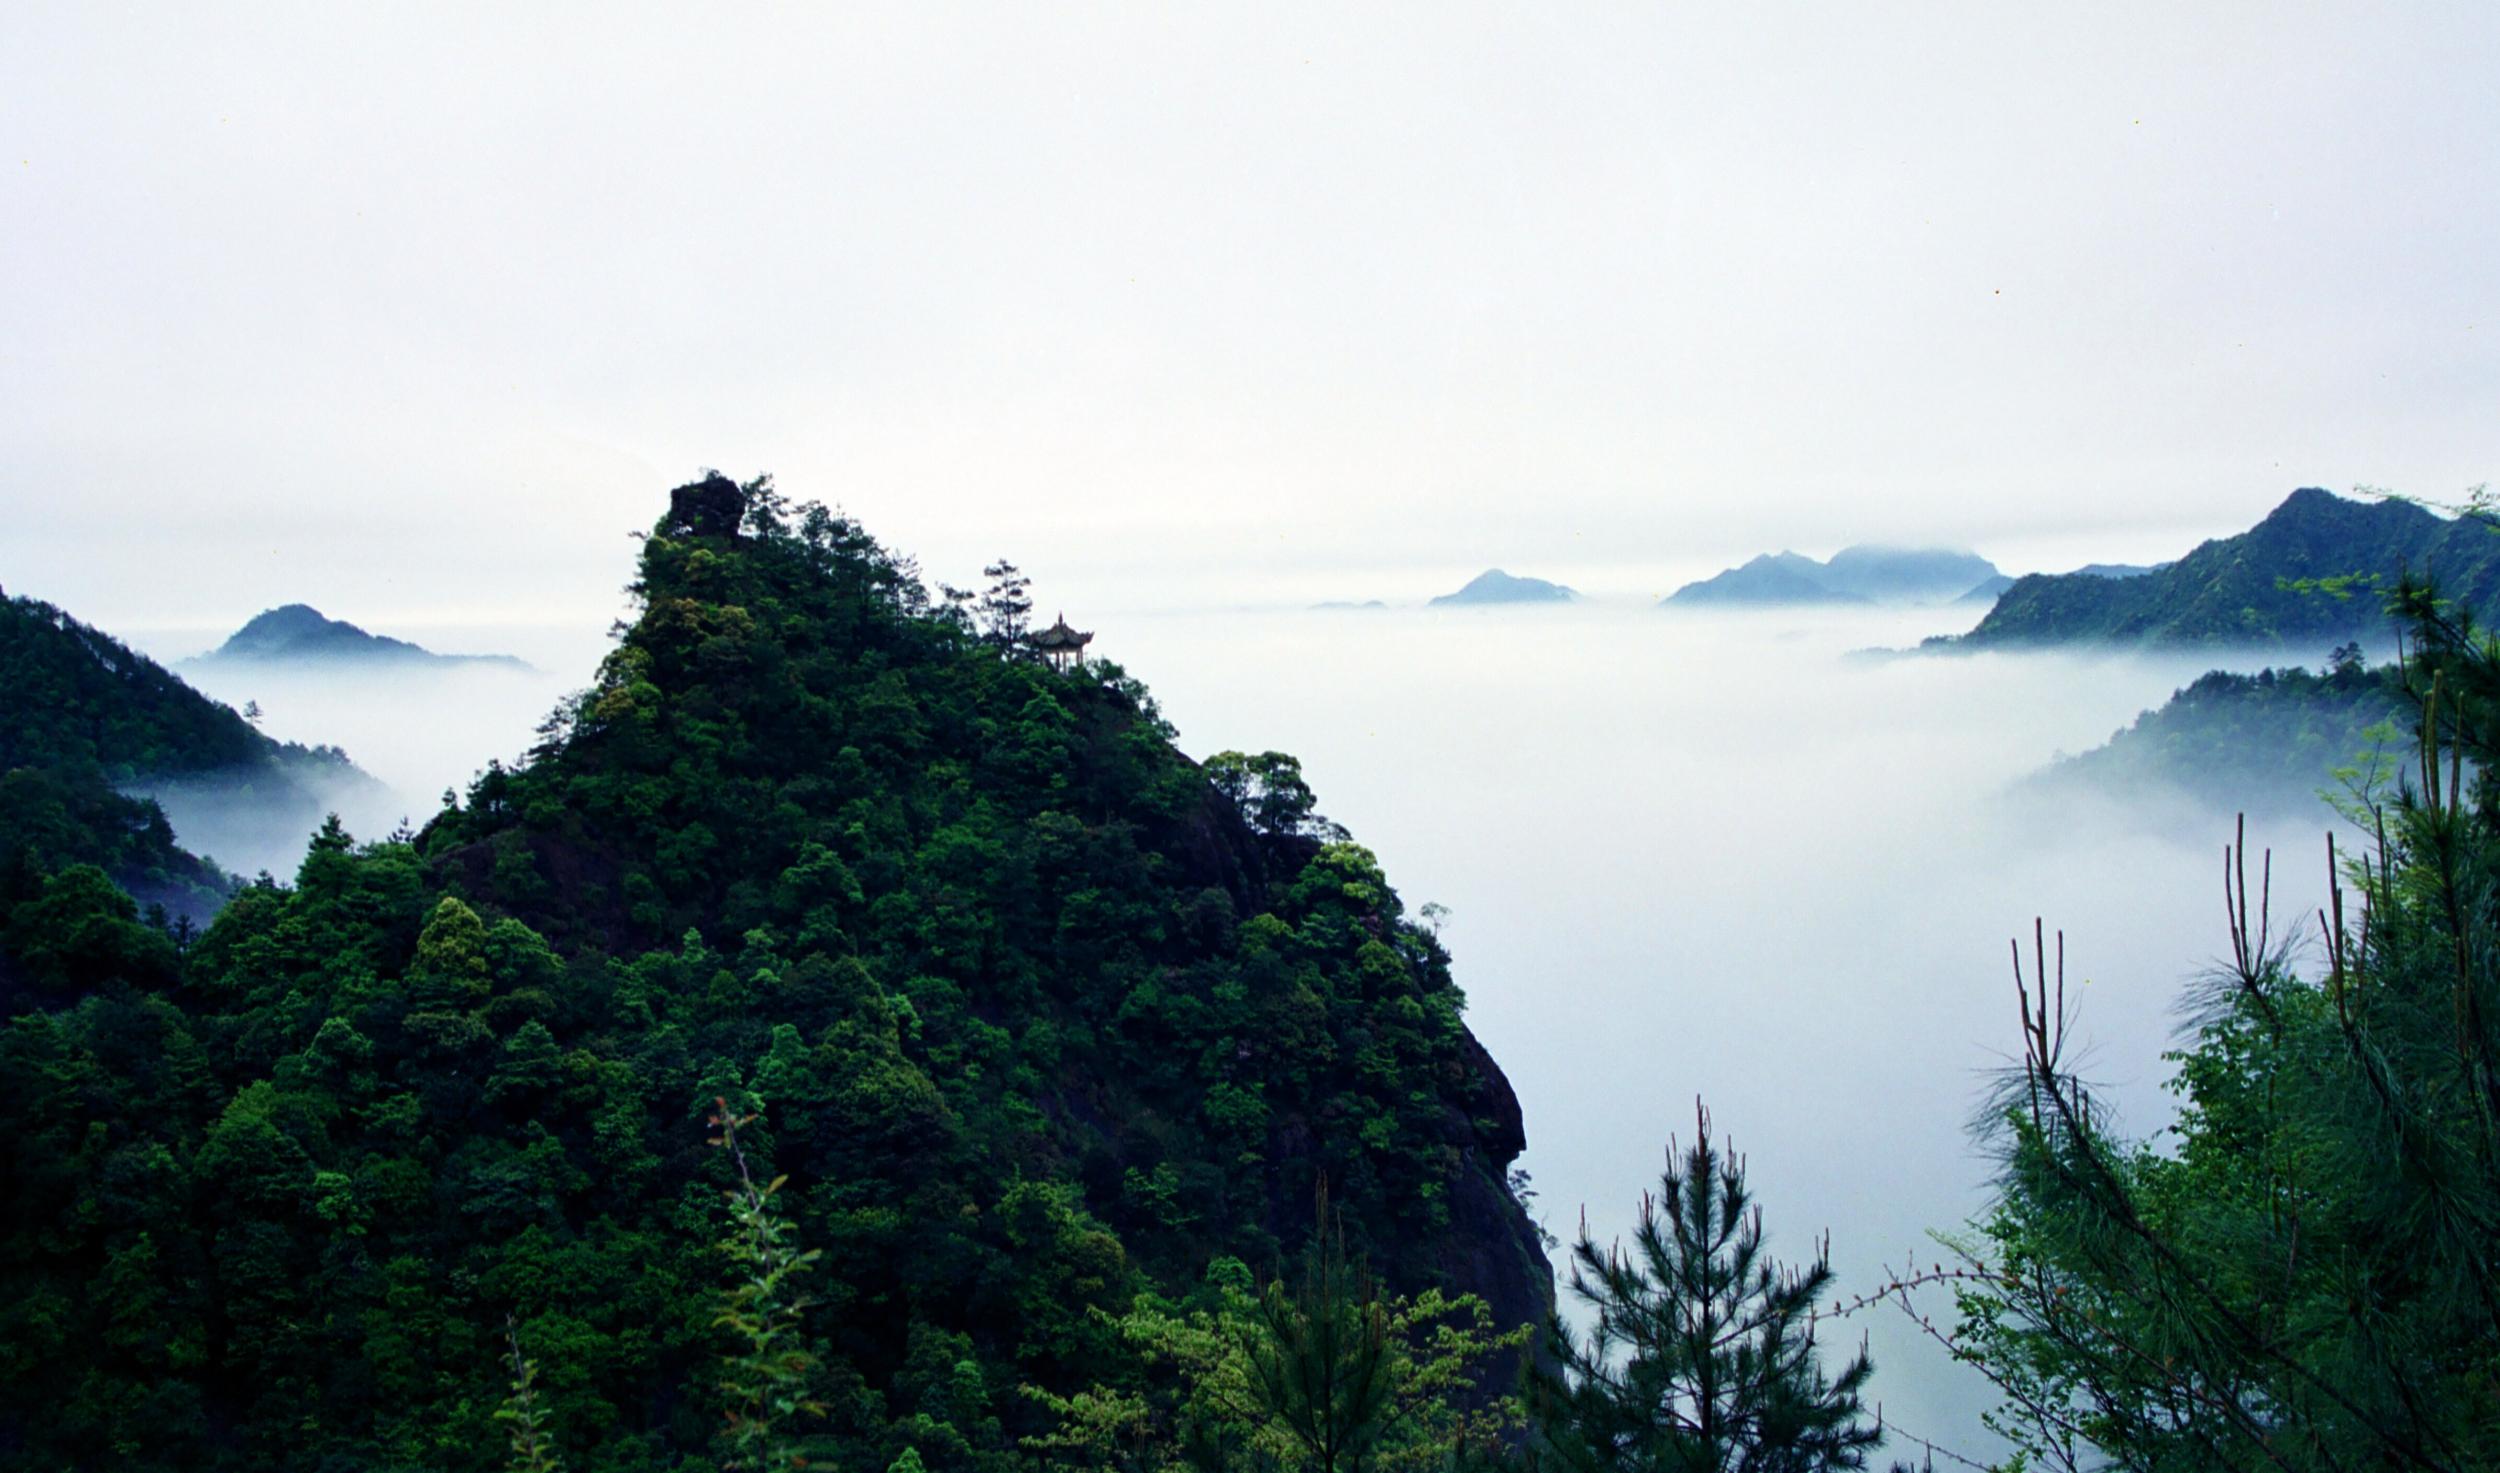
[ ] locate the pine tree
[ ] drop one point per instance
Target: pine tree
(1702, 1357)
(1006, 606)
(1322, 1364)
(2306, 1275)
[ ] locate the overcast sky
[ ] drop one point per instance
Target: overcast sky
(413, 312)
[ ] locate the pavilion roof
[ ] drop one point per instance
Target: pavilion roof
(1060, 637)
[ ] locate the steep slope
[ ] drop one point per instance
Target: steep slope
(301, 634)
(2248, 589)
(76, 695)
(101, 742)
(1035, 1016)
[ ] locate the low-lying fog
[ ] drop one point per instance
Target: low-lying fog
(1711, 855)
(416, 729)
(1683, 854)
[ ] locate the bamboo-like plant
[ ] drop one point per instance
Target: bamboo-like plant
(766, 1380)
(533, 1447)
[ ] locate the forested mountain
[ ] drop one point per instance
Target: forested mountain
(1865, 573)
(90, 730)
(301, 634)
(1034, 1013)
(2315, 572)
(2264, 743)
(79, 696)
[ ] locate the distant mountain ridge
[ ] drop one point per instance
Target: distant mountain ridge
(302, 633)
(1772, 578)
(2309, 574)
(1493, 586)
(1863, 573)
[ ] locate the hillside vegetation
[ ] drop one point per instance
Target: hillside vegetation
(2270, 742)
(2317, 571)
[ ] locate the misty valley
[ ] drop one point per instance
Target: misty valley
(822, 1022)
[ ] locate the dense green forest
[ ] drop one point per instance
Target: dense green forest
(2315, 572)
(848, 1039)
(2269, 743)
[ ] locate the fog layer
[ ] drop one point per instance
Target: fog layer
(417, 730)
(1711, 855)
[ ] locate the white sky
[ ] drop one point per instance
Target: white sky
(412, 312)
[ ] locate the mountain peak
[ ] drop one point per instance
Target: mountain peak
(285, 624)
(300, 632)
(1493, 586)
(2309, 498)
(2315, 505)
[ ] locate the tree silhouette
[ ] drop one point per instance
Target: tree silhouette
(1702, 1358)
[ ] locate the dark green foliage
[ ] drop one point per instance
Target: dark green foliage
(2269, 742)
(1040, 1020)
(77, 697)
(1702, 1353)
(51, 819)
(79, 931)
(1270, 792)
(2313, 572)
(2310, 1277)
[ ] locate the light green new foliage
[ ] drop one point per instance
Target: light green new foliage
(765, 1381)
(1323, 1374)
(533, 1449)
